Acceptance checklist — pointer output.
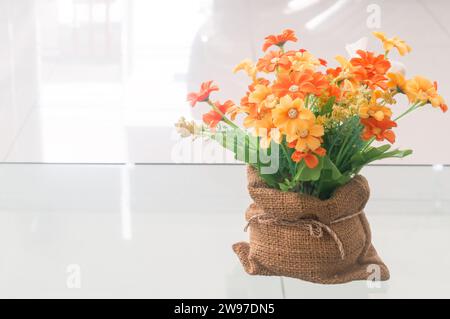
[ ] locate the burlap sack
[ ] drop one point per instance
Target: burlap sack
(300, 236)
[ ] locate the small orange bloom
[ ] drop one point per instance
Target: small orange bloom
(272, 60)
(205, 90)
(299, 84)
(280, 39)
(372, 64)
(212, 118)
(334, 72)
(381, 130)
(335, 91)
(261, 81)
(371, 69)
(310, 158)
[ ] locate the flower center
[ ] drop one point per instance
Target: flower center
(292, 113)
(293, 88)
(304, 133)
(275, 60)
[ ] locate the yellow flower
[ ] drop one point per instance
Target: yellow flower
(262, 96)
(420, 89)
(267, 136)
(323, 120)
(376, 111)
(397, 81)
(346, 76)
(271, 101)
(247, 66)
(259, 94)
(185, 128)
(289, 113)
(340, 113)
(259, 120)
(262, 125)
(345, 64)
(389, 43)
(302, 61)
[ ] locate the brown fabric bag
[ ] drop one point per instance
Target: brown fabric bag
(300, 236)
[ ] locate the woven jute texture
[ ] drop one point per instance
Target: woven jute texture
(300, 236)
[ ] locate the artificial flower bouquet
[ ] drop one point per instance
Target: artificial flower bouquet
(305, 132)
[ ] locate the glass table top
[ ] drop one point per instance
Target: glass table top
(165, 231)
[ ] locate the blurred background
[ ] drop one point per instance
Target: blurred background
(103, 81)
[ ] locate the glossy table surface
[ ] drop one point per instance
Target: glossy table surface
(165, 231)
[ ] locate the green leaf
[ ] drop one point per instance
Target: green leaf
(328, 106)
(305, 174)
(371, 154)
(284, 187)
(330, 179)
(396, 153)
(331, 169)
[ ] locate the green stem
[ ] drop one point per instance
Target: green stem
(412, 108)
(341, 151)
(368, 142)
(290, 163)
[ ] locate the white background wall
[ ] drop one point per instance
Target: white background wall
(104, 80)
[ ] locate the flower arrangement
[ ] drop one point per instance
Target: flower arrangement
(319, 122)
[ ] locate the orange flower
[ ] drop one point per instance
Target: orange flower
(372, 64)
(205, 90)
(333, 90)
(280, 39)
(370, 69)
(299, 84)
(272, 60)
(261, 81)
(334, 72)
(289, 114)
(381, 130)
(310, 158)
(212, 118)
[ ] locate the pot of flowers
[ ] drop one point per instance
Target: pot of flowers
(308, 130)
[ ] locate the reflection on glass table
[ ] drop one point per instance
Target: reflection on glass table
(167, 230)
